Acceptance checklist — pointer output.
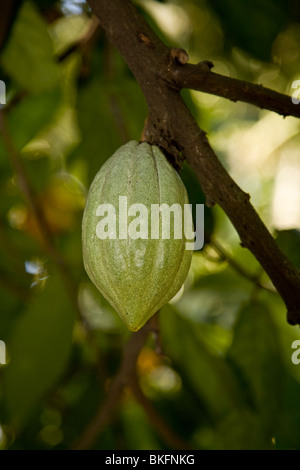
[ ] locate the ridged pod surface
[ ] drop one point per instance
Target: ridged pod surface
(137, 276)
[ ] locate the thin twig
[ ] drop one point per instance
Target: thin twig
(108, 407)
(126, 376)
(225, 256)
(168, 435)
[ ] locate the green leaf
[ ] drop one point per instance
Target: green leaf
(241, 430)
(215, 297)
(28, 56)
(209, 375)
(287, 435)
(252, 26)
(138, 433)
(29, 117)
(100, 137)
(289, 242)
(10, 310)
(128, 107)
(111, 110)
(256, 356)
(39, 349)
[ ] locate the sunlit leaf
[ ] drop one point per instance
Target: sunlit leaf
(28, 56)
(27, 118)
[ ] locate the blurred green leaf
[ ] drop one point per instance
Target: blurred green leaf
(241, 430)
(28, 56)
(252, 26)
(137, 431)
(10, 310)
(39, 348)
(28, 117)
(216, 297)
(289, 242)
(81, 396)
(100, 137)
(128, 108)
(287, 435)
(111, 109)
(255, 355)
(39, 171)
(209, 374)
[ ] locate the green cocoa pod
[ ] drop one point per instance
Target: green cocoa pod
(135, 273)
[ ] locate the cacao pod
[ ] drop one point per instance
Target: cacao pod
(136, 275)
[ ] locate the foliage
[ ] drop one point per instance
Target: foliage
(225, 379)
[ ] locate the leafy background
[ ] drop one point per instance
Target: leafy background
(225, 379)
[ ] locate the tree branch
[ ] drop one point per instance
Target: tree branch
(108, 407)
(199, 77)
(124, 377)
(171, 126)
(162, 428)
(127, 376)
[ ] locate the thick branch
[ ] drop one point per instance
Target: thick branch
(171, 126)
(199, 77)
